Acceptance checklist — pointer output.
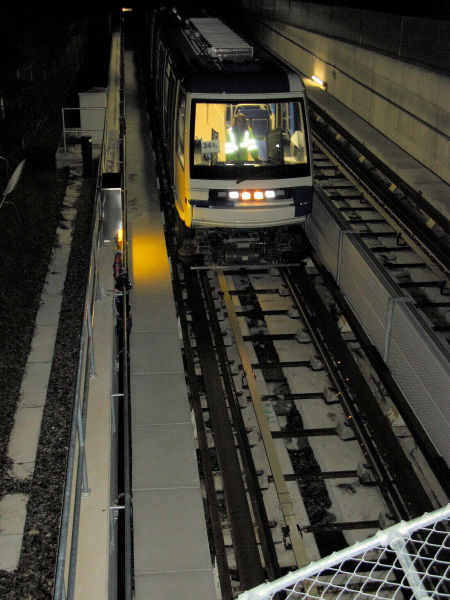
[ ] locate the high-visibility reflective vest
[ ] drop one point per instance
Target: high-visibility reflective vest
(235, 150)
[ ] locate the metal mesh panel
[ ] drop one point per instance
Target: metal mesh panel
(281, 10)
(298, 14)
(381, 31)
(267, 8)
(323, 233)
(417, 361)
(423, 40)
(408, 560)
(346, 23)
(365, 293)
(419, 366)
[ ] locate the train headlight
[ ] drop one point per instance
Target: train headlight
(251, 195)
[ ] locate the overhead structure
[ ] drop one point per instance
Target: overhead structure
(208, 35)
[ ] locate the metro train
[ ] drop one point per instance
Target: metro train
(235, 126)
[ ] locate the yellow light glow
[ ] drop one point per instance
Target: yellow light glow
(246, 196)
(125, 9)
(258, 196)
(149, 261)
(119, 237)
(320, 82)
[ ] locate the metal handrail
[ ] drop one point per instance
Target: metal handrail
(128, 559)
(78, 130)
(86, 368)
(417, 578)
(77, 436)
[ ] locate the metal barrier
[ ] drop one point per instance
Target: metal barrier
(76, 484)
(410, 38)
(127, 591)
(407, 560)
(80, 131)
(413, 353)
(76, 462)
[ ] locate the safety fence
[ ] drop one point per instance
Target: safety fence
(411, 350)
(76, 484)
(406, 561)
(84, 121)
(420, 40)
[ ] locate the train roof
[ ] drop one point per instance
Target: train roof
(211, 58)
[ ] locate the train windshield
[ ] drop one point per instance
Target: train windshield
(243, 139)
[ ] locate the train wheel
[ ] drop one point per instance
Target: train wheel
(185, 241)
(300, 248)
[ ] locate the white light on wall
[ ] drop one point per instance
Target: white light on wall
(319, 81)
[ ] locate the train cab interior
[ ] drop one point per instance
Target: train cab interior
(266, 133)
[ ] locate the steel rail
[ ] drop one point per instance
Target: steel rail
(286, 503)
(406, 189)
(435, 462)
(207, 470)
(259, 510)
(244, 540)
(405, 496)
(418, 236)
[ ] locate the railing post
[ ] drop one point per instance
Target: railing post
(97, 275)
(113, 411)
(91, 341)
(388, 323)
(342, 232)
(82, 449)
(64, 130)
(411, 574)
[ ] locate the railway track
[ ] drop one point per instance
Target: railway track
(298, 449)
(297, 460)
(404, 233)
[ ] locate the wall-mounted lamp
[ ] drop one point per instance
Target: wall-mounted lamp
(319, 81)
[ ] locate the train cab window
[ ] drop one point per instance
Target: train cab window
(181, 118)
(248, 135)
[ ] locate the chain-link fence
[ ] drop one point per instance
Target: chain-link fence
(406, 561)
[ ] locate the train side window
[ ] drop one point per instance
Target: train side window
(181, 117)
(166, 95)
(171, 107)
(161, 71)
(154, 49)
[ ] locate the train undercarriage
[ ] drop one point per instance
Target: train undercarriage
(219, 246)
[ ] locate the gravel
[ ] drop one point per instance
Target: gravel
(26, 253)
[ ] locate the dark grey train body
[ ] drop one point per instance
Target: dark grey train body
(235, 126)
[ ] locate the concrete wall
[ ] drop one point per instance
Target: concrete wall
(406, 102)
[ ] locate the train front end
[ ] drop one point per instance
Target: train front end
(249, 166)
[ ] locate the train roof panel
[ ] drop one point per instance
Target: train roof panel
(219, 40)
(211, 58)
